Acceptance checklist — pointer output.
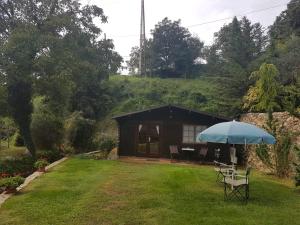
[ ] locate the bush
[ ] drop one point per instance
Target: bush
(42, 163)
(198, 97)
(68, 150)
(49, 155)
(18, 140)
(107, 144)
(80, 132)
(13, 167)
(47, 130)
(297, 166)
(11, 182)
(277, 157)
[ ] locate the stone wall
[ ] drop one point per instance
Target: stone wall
(290, 123)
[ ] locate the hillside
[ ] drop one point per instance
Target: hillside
(136, 93)
(204, 94)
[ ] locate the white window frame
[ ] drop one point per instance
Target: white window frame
(190, 132)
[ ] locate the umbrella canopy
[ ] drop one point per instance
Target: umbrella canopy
(236, 133)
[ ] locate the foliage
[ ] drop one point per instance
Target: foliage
(11, 182)
(47, 129)
(7, 129)
(54, 49)
(240, 41)
(79, 132)
(14, 166)
(297, 166)
(172, 52)
(107, 143)
(12, 152)
(236, 46)
(18, 139)
(203, 94)
(277, 156)
(262, 96)
(41, 163)
(19, 99)
(262, 151)
(287, 23)
(49, 155)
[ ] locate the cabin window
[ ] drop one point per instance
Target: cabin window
(190, 133)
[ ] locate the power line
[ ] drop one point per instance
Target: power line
(212, 21)
(244, 14)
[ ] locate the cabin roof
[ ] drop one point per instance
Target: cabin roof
(170, 107)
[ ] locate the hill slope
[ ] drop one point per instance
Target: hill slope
(205, 94)
(136, 93)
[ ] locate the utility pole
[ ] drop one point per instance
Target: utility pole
(142, 58)
(106, 56)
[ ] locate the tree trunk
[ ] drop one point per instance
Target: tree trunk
(25, 133)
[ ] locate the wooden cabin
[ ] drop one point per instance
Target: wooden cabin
(151, 132)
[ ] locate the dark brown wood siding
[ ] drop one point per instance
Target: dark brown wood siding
(127, 139)
(171, 121)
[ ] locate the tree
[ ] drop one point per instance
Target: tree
(133, 62)
(287, 23)
(42, 42)
(230, 57)
(174, 49)
(262, 96)
(240, 42)
(171, 52)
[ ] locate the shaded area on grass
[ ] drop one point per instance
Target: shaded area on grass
(87, 192)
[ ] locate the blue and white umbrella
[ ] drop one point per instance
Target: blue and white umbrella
(236, 133)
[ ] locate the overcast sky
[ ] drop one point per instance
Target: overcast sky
(124, 16)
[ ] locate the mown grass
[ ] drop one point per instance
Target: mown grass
(91, 192)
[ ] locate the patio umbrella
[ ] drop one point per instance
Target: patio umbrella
(236, 133)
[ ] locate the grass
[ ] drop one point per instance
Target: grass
(91, 192)
(12, 152)
(138, 93)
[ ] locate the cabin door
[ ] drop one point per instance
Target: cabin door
(148, 139)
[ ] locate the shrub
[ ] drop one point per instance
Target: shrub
(18, 140)
(11, 167)
(107, 143)
(297, 167)
(47, 130)
(40, 164)
(277, 157)
(68, 150)
(198, 97)
(49, 155)
(80, 132)
(11, 182)
(153, 95)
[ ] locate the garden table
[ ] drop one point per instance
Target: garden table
(189, 151)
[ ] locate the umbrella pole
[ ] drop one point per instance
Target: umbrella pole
(245, 147)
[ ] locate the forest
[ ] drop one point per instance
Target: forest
(60, 83)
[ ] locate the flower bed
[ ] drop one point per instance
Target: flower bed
(10, 184)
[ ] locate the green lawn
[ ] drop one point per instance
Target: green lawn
(87, 192)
